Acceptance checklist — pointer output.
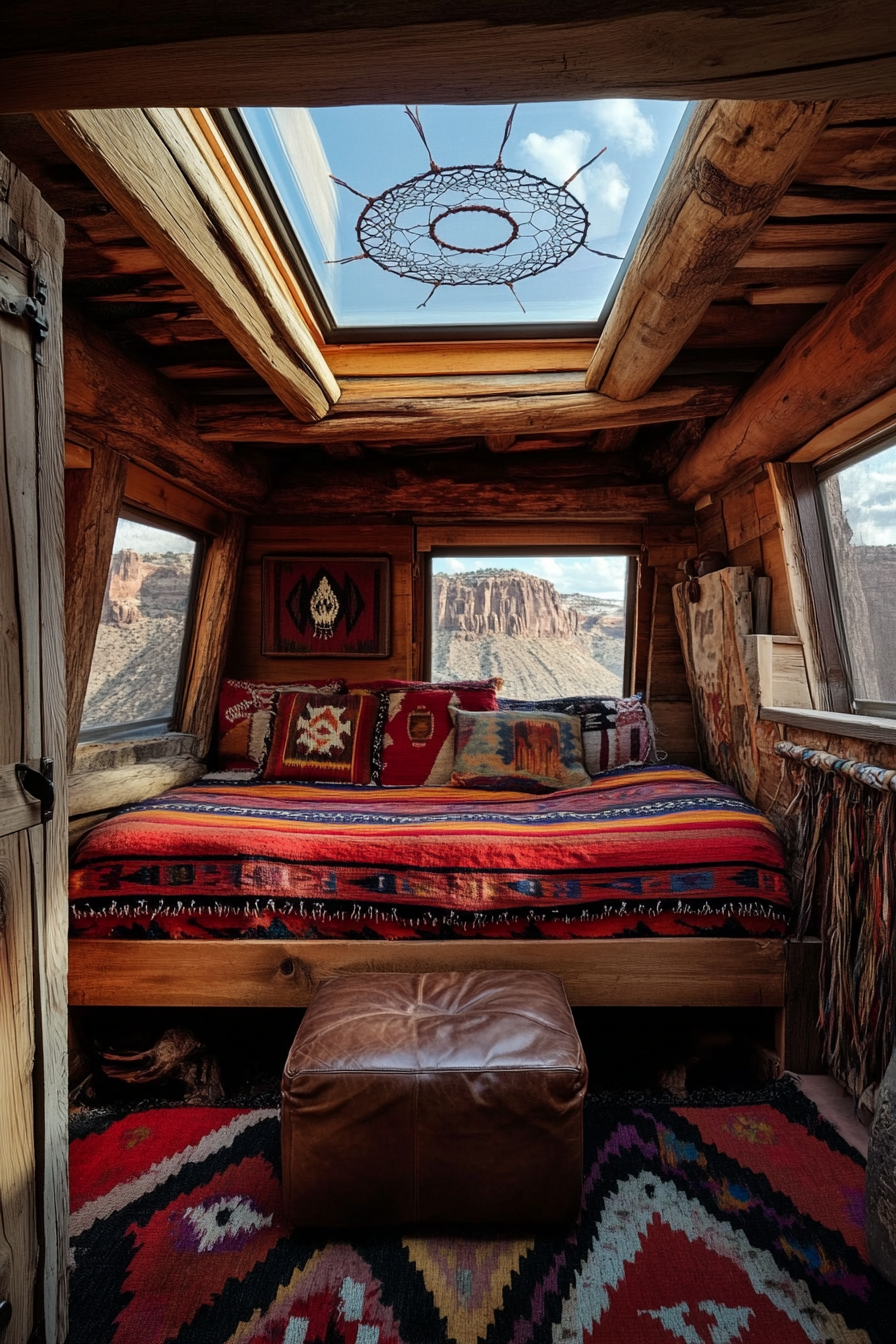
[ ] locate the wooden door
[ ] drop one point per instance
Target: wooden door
(33, 866)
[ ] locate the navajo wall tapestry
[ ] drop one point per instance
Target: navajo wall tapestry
(315, 606)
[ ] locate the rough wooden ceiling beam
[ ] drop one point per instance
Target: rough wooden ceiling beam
(424, 419)
(838, 361)
(513, 490)
(225, 53)
(112, 401)
(149, 164)
(735, 161)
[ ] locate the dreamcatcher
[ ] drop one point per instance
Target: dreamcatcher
(539, 225)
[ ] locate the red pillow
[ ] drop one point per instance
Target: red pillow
(418, 744)
(322, 737)
(244, 718)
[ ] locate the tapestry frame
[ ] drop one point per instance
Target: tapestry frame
(280, 631)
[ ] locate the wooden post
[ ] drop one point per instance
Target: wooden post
(92, 505)
(215, 603)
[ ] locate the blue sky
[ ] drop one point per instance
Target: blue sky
(141, 538)
(373, 148)
(601, 575)
(868, 492)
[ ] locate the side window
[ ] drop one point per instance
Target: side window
(859, 507)
(550, 624)
(136, 669)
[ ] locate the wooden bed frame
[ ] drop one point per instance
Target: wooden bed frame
(645, 972)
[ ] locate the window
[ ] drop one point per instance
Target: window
(497, 224)
(859, 503)
(136, 668)
(549, 624)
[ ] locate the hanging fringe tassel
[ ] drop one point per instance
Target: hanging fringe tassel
(845, 839)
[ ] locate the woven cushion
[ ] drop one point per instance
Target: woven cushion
(615, 730)
(532, 753)
(322, 737)
(418, 745)
(244, 718)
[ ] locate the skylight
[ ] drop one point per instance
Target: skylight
(410, 220)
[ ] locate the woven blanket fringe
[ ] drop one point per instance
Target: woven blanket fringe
(845, 842)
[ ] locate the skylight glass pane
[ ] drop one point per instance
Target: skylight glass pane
(538, 212)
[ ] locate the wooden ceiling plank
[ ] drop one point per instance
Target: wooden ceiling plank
(369, 390)
(147, 164)
(735, 162)
(419, 358)
(423, 419)
(837, 362)
(385, 51)
(112, 401)
(795, 294)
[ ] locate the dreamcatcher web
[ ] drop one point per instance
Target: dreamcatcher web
(537, 224)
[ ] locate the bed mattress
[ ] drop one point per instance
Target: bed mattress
(644, 850)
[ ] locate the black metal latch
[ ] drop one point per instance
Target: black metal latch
(39, 784)
(15, 304)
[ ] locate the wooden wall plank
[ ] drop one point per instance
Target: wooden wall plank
(658, 972)
(92, 504)
(212, 622)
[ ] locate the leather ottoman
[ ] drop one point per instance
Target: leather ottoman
(439, 1098)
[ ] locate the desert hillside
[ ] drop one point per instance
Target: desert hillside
(502, 622)
(137, 657)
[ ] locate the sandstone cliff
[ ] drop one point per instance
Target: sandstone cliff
(143, 586)
(502, 602)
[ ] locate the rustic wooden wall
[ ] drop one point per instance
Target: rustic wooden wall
(245, 658)
(755, 526)
(659, 672)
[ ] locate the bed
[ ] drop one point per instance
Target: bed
(655, 885)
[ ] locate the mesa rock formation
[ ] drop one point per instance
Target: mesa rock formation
(494, 622)
(502, 602)
(143, 586)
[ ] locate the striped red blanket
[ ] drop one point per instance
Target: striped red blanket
(643, 850)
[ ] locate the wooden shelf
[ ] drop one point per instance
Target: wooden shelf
(861, 726)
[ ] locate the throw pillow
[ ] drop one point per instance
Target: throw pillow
(318, 737)
(244, 718)
(615, 730)
(418, 744)
(532, 753)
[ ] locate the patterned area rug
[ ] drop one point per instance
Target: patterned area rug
(707, 1224)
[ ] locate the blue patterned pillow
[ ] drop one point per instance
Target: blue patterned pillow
(530, 753)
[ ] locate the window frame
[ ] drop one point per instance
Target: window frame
(823, 471)
(630, 553)
(140, 729)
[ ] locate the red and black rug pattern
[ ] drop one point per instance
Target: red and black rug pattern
(736, 1223)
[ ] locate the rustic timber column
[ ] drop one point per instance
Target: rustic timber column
(92, 504)
(215, 604)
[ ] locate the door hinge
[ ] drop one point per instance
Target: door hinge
(15, 304)
(39, 784)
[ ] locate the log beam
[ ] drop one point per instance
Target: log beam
(427, 419)
(150, 165)
(92, 503)
(486, 488)
(735, 161)
(114, 402)
(210, 632)
(318, 54)
(838, 361)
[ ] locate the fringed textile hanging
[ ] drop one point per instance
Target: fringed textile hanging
(845, 838)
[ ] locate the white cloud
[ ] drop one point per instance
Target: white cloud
(602, 188)
(624, 124)
(548, 568)
(558, 156)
